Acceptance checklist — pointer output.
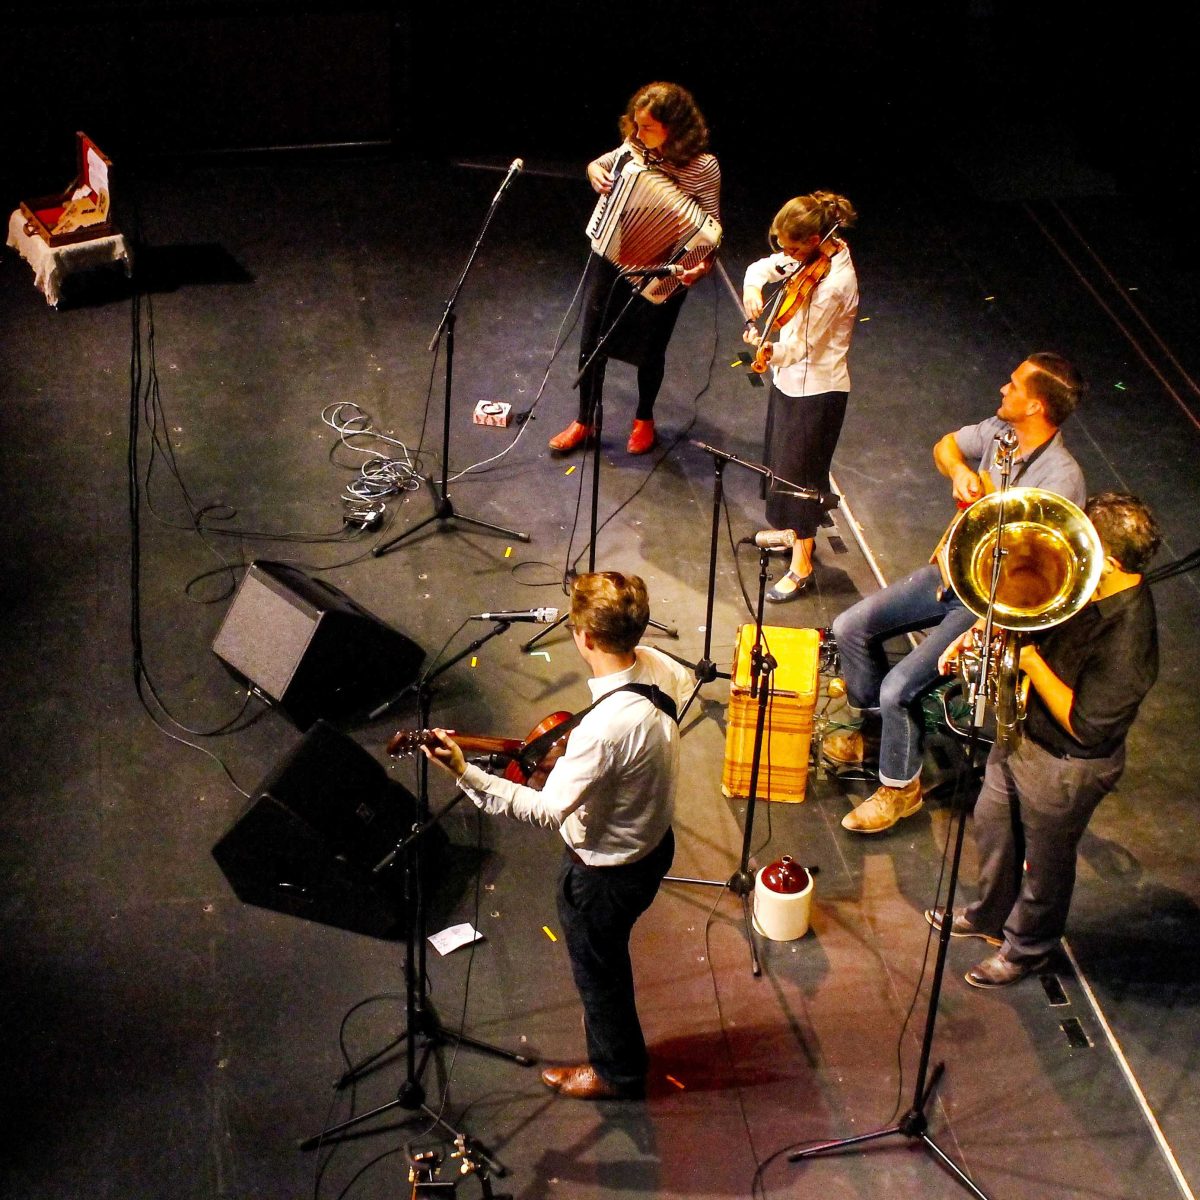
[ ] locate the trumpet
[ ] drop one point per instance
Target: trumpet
(1050, 562)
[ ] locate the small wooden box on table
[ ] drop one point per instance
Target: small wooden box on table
(787, 735)
(72, 230)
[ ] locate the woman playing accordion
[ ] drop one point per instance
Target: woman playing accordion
(663, 130)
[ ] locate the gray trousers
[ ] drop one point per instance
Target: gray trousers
(1031, 813)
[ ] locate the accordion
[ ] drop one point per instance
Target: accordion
(646, 221)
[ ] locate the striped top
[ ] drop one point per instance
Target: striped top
(699, 177)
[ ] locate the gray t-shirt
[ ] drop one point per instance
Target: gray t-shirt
(1054, 469)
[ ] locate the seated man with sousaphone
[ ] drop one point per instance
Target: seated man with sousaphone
(1088, 676)
(1040, 395)
(611, 796)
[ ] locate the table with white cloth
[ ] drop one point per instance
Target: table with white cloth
(52, 264)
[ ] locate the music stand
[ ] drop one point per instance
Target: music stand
(444, 509)
(421, 1022)
(915, 1124)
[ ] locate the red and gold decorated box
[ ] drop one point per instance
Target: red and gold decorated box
(81, 211)
(787, 735)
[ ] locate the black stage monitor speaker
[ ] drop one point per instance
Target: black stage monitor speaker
(310, 648)
(314, 831)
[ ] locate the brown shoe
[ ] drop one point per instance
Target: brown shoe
(884, 807)
(845, 748)
(960, 926)
(997, 971)
(572, 437)
(642, 439)
(584, 1082)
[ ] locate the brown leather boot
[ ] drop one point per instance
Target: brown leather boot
(884, 807)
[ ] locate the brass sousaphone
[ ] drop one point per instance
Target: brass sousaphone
(1050, 565)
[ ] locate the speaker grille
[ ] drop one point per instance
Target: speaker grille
(266, 632)
(310, 648)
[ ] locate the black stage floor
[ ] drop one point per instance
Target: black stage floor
(167, 1039)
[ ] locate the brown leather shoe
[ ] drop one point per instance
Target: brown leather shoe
(584, 1082)
(960, 926)
(572, 437)
(998, 971)
(642, 439)
(845, 748)
(884, 807)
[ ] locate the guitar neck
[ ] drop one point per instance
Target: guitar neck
(486, 745)
(411, 741)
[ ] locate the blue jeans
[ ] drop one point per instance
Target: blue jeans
(598, 907)
(890, 695)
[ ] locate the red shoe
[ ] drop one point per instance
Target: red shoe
(643, 438)
(573, 436)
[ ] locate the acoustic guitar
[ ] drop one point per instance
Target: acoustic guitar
(530, 758)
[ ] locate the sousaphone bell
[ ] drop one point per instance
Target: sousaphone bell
(1049, 567)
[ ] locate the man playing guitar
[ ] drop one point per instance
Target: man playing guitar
(611, 796)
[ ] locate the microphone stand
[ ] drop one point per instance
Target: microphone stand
(443, 506)
(741, 882)
(421, 1022)
(597, 423)
(762, 667)
(914, 1125)
(706, 670)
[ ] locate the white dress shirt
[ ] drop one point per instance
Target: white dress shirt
(811, 349)
(612, 794)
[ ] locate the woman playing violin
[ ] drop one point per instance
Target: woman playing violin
(806, 345)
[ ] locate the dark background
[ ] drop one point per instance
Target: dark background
(881, 87)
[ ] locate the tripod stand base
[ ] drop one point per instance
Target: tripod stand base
(411, 1093)
(913, 1125)
(444, 511)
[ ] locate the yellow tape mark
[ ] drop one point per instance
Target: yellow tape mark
(508, 552)
(548, 932)
(672, 1079)
(569, 471)
(474, 661)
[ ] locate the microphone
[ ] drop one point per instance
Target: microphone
(514, 169)
(772, 539)
(535, 616)
(655, 272)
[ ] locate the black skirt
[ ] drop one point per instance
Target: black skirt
(802, 434)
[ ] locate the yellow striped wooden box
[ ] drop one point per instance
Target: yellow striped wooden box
(787, 735)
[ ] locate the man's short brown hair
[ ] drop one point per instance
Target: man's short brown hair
(1127, 528)
(1057, 384)
(613, 608)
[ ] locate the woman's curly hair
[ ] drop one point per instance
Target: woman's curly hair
(673, 106)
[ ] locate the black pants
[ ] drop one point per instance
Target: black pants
(638, 333)
(598, 907)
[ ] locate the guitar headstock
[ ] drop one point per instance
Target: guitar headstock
(407, 742)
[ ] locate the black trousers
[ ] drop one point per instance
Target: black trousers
(637, 333)
(598, 907)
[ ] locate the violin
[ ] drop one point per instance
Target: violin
(793, 295)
